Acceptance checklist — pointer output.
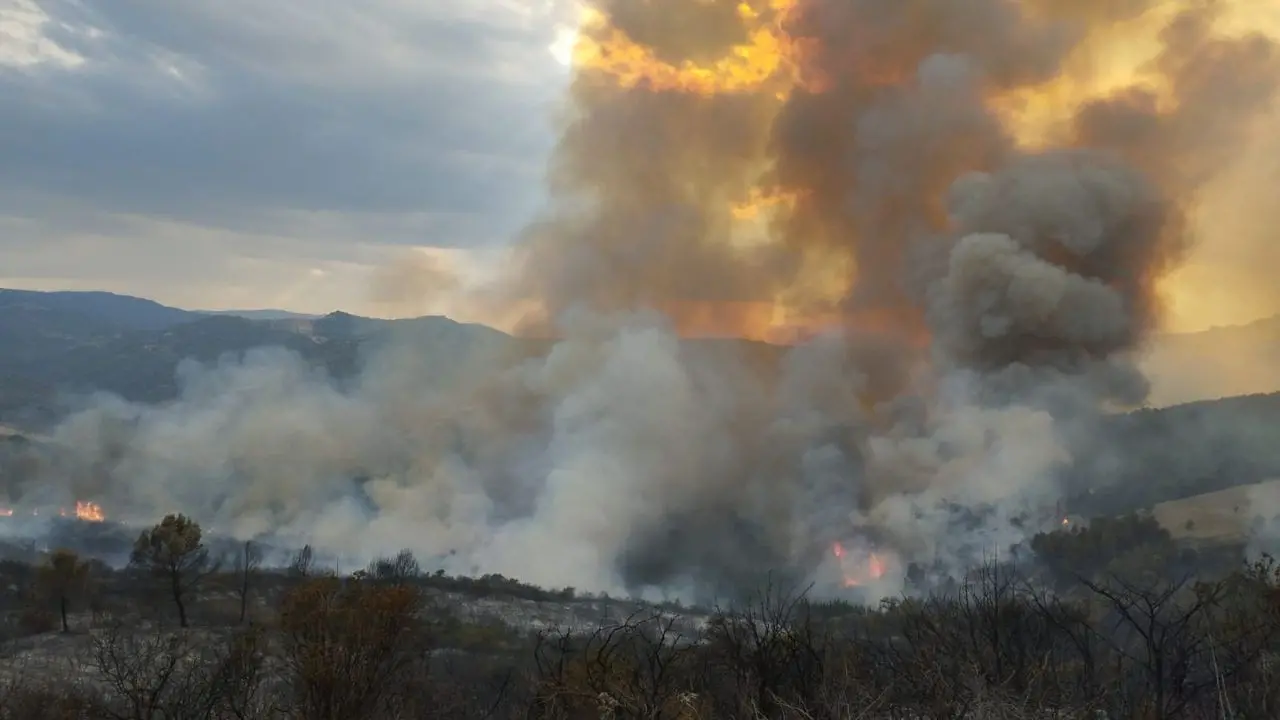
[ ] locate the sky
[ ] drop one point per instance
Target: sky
(239, 153)
(315, 155)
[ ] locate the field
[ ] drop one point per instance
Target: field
(1222, 516)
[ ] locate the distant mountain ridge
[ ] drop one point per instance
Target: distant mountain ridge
(1218, 362)
(266, 314)
(55, 346)
(123, 311)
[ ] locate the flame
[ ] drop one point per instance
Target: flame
(89, 512)
(84, 511)
(858, 574)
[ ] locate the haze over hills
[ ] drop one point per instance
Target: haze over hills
(1219, 362)
(56, 349)
(57, 345)
(267, 314)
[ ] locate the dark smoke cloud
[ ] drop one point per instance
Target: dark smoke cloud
(990, 298)
(1054, 265)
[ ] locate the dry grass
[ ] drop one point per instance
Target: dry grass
(1221, 516)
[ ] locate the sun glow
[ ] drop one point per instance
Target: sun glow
(566, 39)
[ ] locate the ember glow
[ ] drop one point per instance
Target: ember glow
(858, 571)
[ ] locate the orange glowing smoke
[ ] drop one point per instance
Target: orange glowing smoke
(774, 58)
(760, 202)
(766, 65)
(770, 66)
(857, 574)
(606, 51)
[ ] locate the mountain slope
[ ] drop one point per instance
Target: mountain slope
(123, 312)
(56, 346)
(265, 314)
(142, 366)
(1220, 362)
(1138, 459)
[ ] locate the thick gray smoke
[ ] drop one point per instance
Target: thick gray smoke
(1011, 288)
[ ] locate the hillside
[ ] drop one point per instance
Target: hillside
(1219, 362)
(1138, 459)
(58, 343)
(1222, 516)
(107, 309)
(265, 314)
(56, 347)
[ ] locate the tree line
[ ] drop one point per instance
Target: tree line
(1120, 642)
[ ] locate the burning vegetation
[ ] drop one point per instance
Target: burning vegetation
(958, 222)
(988, 196)
(83, 510)
(962, 214)
(858, 571)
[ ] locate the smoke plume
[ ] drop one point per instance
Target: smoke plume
(950, 218)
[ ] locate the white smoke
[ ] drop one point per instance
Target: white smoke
(626, 459)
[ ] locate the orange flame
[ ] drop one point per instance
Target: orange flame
(858, 574)
(89, 512)
(85, 511)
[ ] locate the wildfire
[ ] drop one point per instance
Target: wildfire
(858, 574)
(83, 510)
(89, 512)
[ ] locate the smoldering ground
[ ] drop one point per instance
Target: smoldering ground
(962, 226)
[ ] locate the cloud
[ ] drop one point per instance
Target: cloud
(383, 122)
